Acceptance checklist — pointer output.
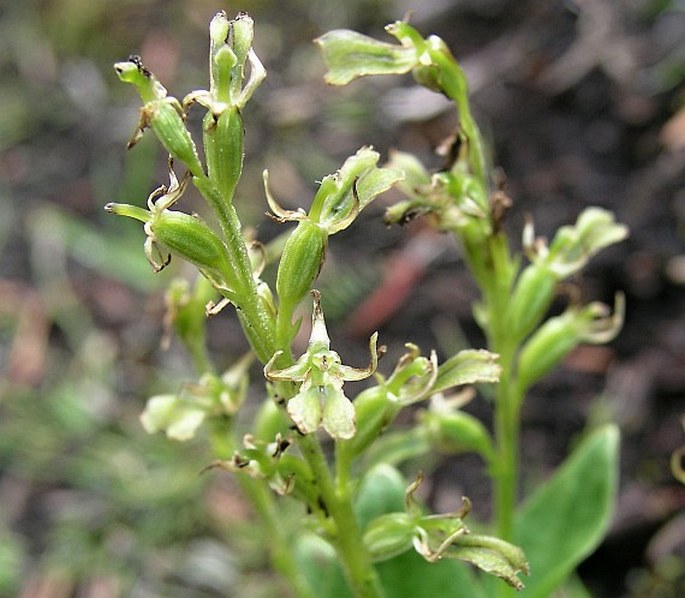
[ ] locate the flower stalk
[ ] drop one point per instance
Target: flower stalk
(281, 449)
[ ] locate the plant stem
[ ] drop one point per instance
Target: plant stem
(261, 499)
(356, 563)
(494, 270)
(257, 322)
(280, 546)
(506, 472)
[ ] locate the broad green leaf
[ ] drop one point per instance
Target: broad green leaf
(411, 576)
(566, 518)
(381, 491)
(319, 564)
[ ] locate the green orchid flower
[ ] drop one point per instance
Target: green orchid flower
(321, 400)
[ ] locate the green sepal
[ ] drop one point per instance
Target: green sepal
(470, 366)
(344, 194)
(491, 555)
(349, 55)
(573, 246)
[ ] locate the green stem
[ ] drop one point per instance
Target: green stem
(507, 404)
(494, 269)
(507, 446)
(262, 500)
(280, 545)
(347, 538)
(257, 322)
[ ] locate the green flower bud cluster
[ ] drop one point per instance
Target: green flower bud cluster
(271, 461)
(223, 132)
(180, 415)
(377, 407)
(569, 251)
(414, 379)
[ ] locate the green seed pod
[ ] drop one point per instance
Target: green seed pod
(223, 141)
(389, 535)
(555, 339)
(531, 299)
(194, 240)
(165, 120)
(303, 256)
(161, 113)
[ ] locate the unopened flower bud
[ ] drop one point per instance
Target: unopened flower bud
(177, 416)
(559, 335)
(344, 194)
(457, 432)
